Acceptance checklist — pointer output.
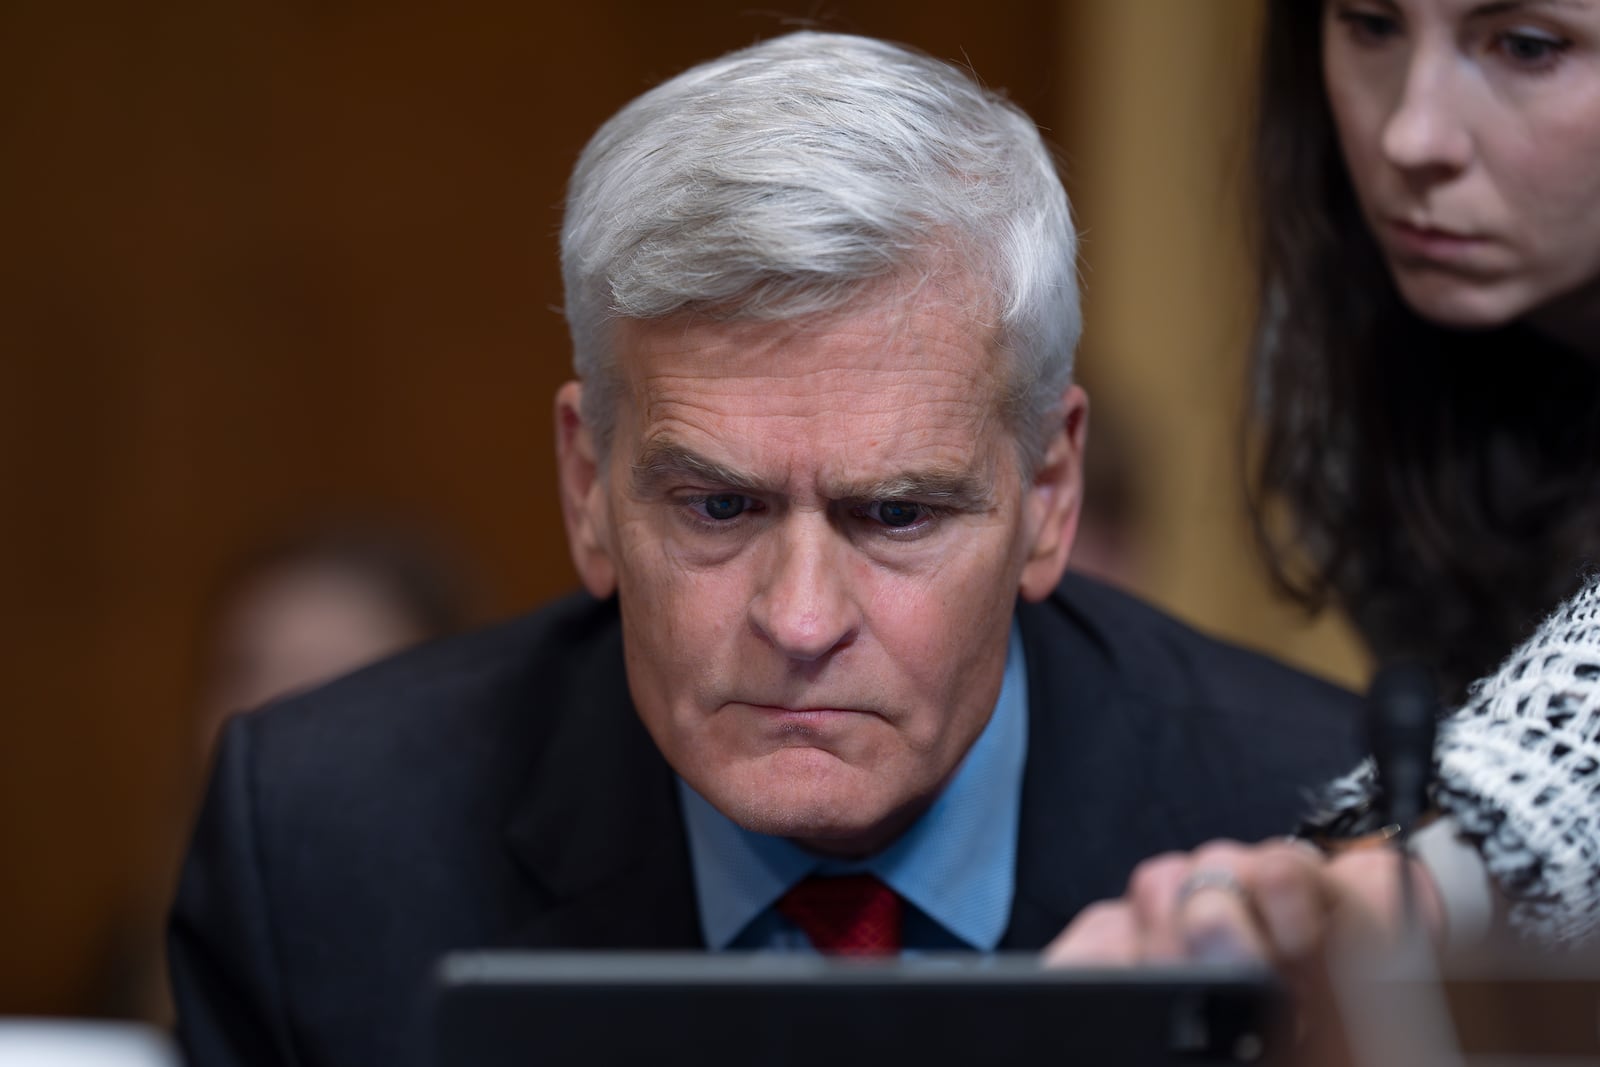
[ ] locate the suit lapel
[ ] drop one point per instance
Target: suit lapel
(1092, 804)
(598, 829)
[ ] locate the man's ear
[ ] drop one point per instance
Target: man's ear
(1055, 498)
(583, 495)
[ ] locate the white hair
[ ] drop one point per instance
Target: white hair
(781, 180)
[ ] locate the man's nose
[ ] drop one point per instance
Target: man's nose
(1427, 134)
(805, 606)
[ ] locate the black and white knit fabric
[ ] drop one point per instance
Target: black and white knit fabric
(1518, 770)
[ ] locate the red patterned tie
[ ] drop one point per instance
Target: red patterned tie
(854, 915)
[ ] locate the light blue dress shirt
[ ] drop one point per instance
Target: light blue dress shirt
(955, 867)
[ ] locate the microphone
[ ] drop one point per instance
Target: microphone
(1402, 721)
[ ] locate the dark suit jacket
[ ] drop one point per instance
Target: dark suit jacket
(499, 790)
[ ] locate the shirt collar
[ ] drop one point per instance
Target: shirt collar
(956, 863)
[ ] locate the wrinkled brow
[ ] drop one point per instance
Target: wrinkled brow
(663, 461)
(960, 489)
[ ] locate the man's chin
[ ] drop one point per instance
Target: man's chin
(815, 799)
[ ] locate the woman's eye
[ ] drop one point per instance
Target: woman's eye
(1369, 27)
(723, 506)
(1530, 49)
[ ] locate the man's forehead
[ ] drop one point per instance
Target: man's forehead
(907, 389)
(923, 314)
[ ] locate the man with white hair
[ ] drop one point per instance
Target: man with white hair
(821, 469)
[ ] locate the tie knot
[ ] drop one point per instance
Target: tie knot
(853, 915)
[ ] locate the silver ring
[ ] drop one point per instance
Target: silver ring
(1209, 878)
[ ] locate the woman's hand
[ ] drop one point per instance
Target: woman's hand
(1281, 903)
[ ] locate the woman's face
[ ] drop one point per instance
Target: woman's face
(1471, 129)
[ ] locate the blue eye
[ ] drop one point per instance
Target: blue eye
(724, 506)
(897, 514)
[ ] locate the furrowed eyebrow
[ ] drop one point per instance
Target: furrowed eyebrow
(662, 462)
(962, 490)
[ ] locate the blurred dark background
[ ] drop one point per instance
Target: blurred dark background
(270, 265)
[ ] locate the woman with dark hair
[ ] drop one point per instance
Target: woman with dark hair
(1428, 389)
(1428, 356)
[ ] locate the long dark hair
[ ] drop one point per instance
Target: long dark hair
(1441, 486)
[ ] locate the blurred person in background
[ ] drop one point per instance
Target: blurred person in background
(298, 611)
(1109, 546)
(1428, 364)
(321, 603)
